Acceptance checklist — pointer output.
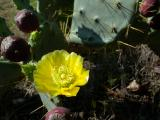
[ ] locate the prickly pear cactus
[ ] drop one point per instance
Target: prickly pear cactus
(98, 22)
(47, 39)
(46, 8)
(23, 4)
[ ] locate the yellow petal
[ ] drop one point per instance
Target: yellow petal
(59, 57)
(43, 80)
(54, 92)
(45, 86)
(70, 92)
(82, 79)
(43, 67)
(75, 62)
(42, 74)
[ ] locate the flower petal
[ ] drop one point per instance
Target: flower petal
(59, 57)
(60, 73)
(70, 92)
(75, 62)
(82, 79)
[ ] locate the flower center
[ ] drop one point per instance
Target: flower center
(62, 76)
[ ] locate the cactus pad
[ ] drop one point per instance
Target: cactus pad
(98, 22)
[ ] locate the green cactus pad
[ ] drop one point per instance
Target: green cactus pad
(47, 39)
(47, 101)
(4, 30)
(10, 74)
(98, 22)
(23, 4)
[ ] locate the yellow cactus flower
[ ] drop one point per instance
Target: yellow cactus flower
(60, 73)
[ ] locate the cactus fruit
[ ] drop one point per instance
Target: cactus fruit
(58, 113)
(15, 49)
(26, 21)
(149, 8)
(98, 22)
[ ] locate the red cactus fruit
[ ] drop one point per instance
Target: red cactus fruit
(15, 49)
(148, 8)
(58, 113)
(26, 21)
(155, 22)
